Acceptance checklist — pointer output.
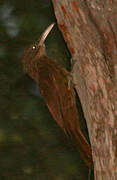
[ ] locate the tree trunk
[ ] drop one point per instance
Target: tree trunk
(89, 28)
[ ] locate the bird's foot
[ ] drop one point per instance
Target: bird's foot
(70, 81)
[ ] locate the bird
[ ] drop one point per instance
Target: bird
(52, 80)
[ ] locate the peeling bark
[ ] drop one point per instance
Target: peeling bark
(89, 28)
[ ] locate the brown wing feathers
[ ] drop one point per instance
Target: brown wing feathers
(62, 104)
(52, 80)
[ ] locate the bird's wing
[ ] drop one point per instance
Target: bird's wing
(53, 86)
(61, 102)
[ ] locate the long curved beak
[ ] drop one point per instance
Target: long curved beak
(45, 34)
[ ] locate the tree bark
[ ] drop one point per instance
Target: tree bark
(89, 28)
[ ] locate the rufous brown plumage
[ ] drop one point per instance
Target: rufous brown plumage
(52, 80)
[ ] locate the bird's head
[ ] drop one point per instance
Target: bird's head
(37, 50)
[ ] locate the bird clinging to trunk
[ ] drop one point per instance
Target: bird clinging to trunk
(52, 80)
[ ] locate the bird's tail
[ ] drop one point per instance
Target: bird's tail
(84, 148)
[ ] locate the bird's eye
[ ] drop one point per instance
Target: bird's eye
(33, 47)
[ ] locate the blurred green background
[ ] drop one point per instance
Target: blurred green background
(32, 146)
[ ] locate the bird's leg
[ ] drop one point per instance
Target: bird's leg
(70, 77)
